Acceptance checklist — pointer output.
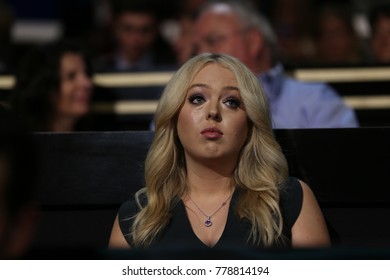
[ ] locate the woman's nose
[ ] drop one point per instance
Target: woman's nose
(86, 82)
(213, 112)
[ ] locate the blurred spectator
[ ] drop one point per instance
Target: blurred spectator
(53, 88)
(181, 36)
(380, 28)
(232, 28)
(6, 19)
(335, 36)
(139, 46)
(178, 29)
(291, 19)
(18, 212)
(183, 43)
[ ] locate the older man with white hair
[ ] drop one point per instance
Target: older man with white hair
(232, 28)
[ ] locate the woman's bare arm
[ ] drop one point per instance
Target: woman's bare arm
(310, 228)
(117, 240)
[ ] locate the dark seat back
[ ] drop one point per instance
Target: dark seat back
(84, 178)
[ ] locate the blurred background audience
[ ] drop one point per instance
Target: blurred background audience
(125, 34)
(6, 19)
(336, 41)
(292, 21)
(380, 26)
(151, 35)
(178, 29)
(53, 88)
(138, 44)
(232, 28)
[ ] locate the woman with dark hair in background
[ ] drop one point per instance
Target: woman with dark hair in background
(53, 88)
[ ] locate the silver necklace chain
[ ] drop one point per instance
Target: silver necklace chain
(208, 222)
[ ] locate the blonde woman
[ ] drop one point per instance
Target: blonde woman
(215, 175)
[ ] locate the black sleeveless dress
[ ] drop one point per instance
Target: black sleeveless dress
(179, 233)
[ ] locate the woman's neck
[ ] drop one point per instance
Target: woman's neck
(213, 179)
(62, 124)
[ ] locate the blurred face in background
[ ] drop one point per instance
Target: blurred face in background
(337, 42)
(220, 31)
(136, 33)
(381, 39)
(73, 99)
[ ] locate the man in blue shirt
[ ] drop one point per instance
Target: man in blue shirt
(234, 29)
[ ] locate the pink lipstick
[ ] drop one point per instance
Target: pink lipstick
(212, 133)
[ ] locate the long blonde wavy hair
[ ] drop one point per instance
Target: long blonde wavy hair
(260, 172)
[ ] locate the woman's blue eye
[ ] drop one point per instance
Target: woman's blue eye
(232, 103)
(196, 99)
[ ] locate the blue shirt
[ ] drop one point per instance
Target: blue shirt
(296, 104)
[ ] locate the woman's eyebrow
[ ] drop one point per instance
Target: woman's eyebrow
(200, 85)
(208, 87)
(231, 88)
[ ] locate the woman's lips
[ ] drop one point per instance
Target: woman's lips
(212, 133)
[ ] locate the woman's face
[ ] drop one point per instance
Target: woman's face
(212, 123)
(75, 87)
(381, 39)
